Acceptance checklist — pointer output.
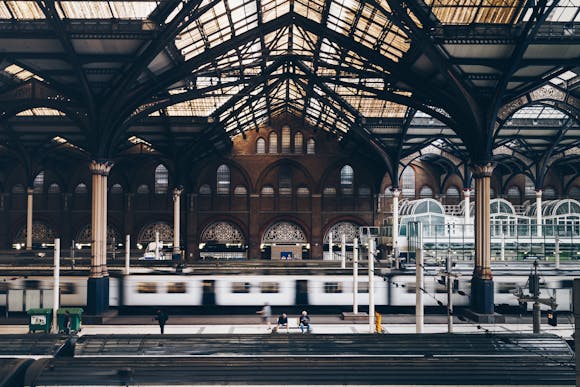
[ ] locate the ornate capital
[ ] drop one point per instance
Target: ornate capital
(396, 192)
(100, 167)
(30, 190)
(177, 192)
(482, 170)
(539, 193)
(466, 192)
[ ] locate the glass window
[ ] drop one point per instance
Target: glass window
(364, 191)
(241, 287)
(303, 191)
(286, 139)
(117, 189)
(269, 287)
(452, 192)
(329, 191)
(311, 147)
(205, 190)
(347, 180)
(54, 188)
(273, 143)
(363, 287)
(513, 193)
(146, 287)
(68, 288)
(81, 188)
(260, 146)
(529, 188)
(298, 143)
(143, 189)
(574, 192)
(285, 181)
(38, 184)
(426, 192)
(408, 182)
(267, 190)
(223, 180)
(332, 287)
(491, 193)
(176, 287)
(18, 189)
(161, 179)
(549, 193)
(240, 190)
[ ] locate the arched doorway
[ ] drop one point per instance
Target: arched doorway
(286, 241)
(349, 230)
(42, 236)
(223, 240)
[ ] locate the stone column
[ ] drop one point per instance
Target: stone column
(29, 211)
(466, 210)
(482, 282)
(539, 213)
(576, 309)
(176, 219)
(98, 283)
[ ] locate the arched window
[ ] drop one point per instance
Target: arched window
(302, 191)
(18, 189)
(205, 190)
(273, 143)
(54, 188)
(364, 191)
(452, 192)
(514, 193)
(261, 146)
(298, 143)
(285, 181)
(81, 189)
(38, 184)
(425, 192)
(529, 188)
(311, 147)
(491, 193)
(223, 180)
(286, 139)
(143, 189)
(549, 193)
(408, 182)
(329, 191)
(117, 189)
(240, 190)
(267, 190)
(346, 180)
(161, 179)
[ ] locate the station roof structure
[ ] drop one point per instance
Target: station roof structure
(451, 82)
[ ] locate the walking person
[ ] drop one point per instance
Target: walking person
(266, 313)
(305, 322)
(161, 318)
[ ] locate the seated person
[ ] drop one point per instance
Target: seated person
(305, 322)
(282, 323)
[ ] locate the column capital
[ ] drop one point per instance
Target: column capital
(539, 193)
(30, 190)
(466, 192)
(396, 192)
(177, 191)
(100, 167)
(482, 170)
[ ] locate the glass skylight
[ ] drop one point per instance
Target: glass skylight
(20, 73)
(476, 11)
(538, 112)
(105, 9)
(41, 111)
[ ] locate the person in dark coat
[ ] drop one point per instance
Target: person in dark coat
(161, 318)
(66, 323)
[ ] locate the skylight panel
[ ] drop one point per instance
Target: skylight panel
(565, 11)
(20, 73)
(312, 9)
(4, 12)
(475, 11)
(41, 111)
(273, 9)
(245, 16)
(538, 112)
(23, 10)
(341, 15)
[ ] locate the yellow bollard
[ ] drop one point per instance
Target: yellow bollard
(378, 327)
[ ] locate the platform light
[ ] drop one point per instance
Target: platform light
(201, 246)
(139, 246)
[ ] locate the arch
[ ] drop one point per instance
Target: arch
(85, 236)
(222, 232)
(143, 189)
(116, 189)
(205, 189)
(260, 146)
(240, 190)
(298, 143)
(348, 228)
(452, 192)
(267, 190)
(38, 183)
(223, 180)
(286, 139)
(311, 146)
(347, 180)
(426, 192)
(282, 232)
(147, 233)
(273, 143)
(408, 182)
(54, 188)
(161, 179)
(42, 232)
(287, 162)
(81, 189)
(303, 191)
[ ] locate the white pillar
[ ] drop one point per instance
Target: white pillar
(502, 251)
(99, 171)
(331, 255)
(467, 210)
(419, 281)
(355, 276)
(127, 253)
(395, 231)
(176, 219)
(156, 244)
(343, 252)
(56, 286)
(371, 284)
(557, 252)
(95, 222)
(539, 212)
(29, 210)
(104, 223)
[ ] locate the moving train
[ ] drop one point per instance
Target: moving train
(396, 289)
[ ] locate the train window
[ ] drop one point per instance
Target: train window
(507, 287)
(363, 287)
(32, 284)
(241, 287)
(176, 287)
(332, 287)
(4, 287)
(68, 288)
(269, 287)
(146, 287)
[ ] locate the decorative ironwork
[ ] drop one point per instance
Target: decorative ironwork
(510, 107)
(349, 229)
(41, 233)
(85, 234)
(284, 232)
(147, 233)
(223, 232)
(547, 92)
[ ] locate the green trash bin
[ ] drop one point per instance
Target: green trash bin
(75, 319)
(39, 320)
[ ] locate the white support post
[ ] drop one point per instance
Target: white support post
(56, 286)
(29, 211)
(371, 284)
(343, 252)
(467, 203)
(355, 276)
(419, 281)
(127, 253)
(449, 293)
(330, 253)
(156, 244)
(557, 252)
(395, 231)
(539, 212)
(176, 219)
(502, 251)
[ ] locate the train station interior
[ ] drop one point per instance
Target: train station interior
(223, 155)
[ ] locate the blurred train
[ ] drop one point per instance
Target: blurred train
(395, 289)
